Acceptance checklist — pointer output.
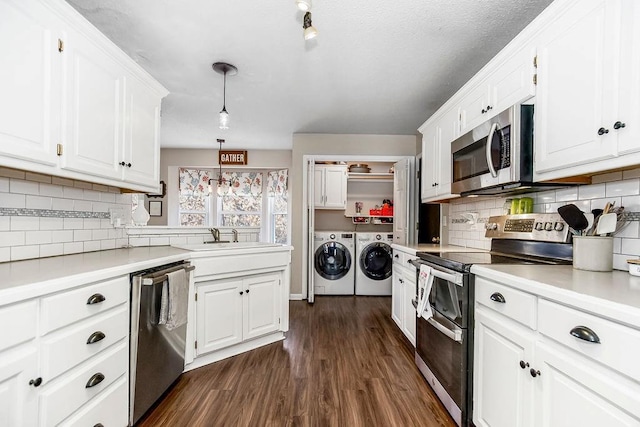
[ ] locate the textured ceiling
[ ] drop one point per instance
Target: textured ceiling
(376, 67)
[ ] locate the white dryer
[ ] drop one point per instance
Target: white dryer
(334, 264)
(375, 261)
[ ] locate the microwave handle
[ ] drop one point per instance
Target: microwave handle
(492, 169)
(455, 278)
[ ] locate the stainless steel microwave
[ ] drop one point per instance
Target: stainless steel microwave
(497, 156)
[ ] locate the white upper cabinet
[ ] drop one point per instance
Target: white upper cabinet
(588, 101)
(436, 156)
(73, 104)
(330, 187)
(30, 84)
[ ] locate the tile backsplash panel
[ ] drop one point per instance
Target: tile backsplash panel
(623, 188)
(42, 216)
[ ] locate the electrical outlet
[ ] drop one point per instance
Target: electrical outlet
(116, 217)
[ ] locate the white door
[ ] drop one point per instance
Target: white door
(576, 84)
(573, 391)
(94, 133)
(629, 111)
(447, 133)
(429, 163)
(335, 187)
(475, 107)
(261, 305)
(18, 399)
(318, 187)
(401, 208)
(502, 389)
(408, 310)
(219, 314)
(310, 225)
(141, 147)
(512, 82)
(30, 82)
(397, 294)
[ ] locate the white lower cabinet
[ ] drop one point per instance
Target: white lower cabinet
(62, 355)
(403, 291)
(230, 311)
(541, 373)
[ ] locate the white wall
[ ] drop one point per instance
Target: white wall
(623, 188)
(339, 145)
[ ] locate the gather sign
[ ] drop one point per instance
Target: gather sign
(232, 157)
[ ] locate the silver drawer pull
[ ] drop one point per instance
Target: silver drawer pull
(95, 380)
(497, 297)
(95, 299)
(585, 334)
(95, 337)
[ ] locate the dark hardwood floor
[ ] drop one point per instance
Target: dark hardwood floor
(344, 363)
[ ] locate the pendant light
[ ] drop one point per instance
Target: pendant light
(224, 69)
(309, 30)
(220, 142)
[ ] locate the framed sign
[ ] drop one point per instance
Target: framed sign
(233, 157)
(155, 208)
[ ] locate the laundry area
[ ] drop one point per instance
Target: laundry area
(360, 208)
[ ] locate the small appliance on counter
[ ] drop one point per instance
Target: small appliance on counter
(444, 340)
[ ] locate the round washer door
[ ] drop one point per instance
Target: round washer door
(332, 260)
(376, 261)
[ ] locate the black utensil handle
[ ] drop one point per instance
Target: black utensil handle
(585, 334)
(95, 337)
(95, 299)
(95, 379)
(498, 297)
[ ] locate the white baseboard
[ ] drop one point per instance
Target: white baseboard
(295, 297)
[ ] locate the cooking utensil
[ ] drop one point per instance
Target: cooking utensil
(607, 224)
(590, 218)
(573, 216)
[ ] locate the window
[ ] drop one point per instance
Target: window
(244, 199)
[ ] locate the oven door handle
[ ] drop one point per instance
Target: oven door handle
(455, 278)
(454, 335)
(492, 169)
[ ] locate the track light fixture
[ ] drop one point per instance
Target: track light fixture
(304, 5)
(224, 69)
(309, 30)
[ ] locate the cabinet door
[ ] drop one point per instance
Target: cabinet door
(219, 314)
(429, 163)
(512, 82)
(572, 390)
(18, 399)
(576, 84)
(401, 202)
(261, 305)
(94, 132)
(335, 187)
(447, 128)
(629, 111)
(397, 295)
(408, 310)
(318, 186)
(502, 390)
(142, 135)
(475, 107)
(30, 82)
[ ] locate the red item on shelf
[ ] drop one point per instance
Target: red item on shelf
(377, 212)
(387, 211)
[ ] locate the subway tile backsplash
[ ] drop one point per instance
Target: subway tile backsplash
(44, 216)
(621, 188)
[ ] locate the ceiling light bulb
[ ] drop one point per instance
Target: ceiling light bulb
(309, 30)
(304, 5)
(223, 119)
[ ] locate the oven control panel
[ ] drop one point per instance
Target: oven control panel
(546, 227)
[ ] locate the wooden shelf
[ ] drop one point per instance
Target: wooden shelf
(368, 216)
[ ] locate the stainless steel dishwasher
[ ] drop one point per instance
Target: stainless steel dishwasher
(157, 353)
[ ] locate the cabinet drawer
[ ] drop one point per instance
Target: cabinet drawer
(59, 401)
(108, 408)
(19, 323)
(68, 307)
(618, 347)
(69, 347)
(517, 305)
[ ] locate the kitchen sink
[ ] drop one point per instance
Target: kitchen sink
(212, 246)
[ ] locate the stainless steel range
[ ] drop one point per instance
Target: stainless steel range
(444, 340)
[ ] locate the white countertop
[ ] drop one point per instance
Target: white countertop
(615, 295)
(433, 248)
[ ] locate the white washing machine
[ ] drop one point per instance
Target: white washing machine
(374, 261)
(334, 263)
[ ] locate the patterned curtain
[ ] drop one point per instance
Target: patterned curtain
(194, 188)
(241, 184)
(277, 182)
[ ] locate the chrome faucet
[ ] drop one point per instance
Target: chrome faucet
(215, 233)
(235, 234)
